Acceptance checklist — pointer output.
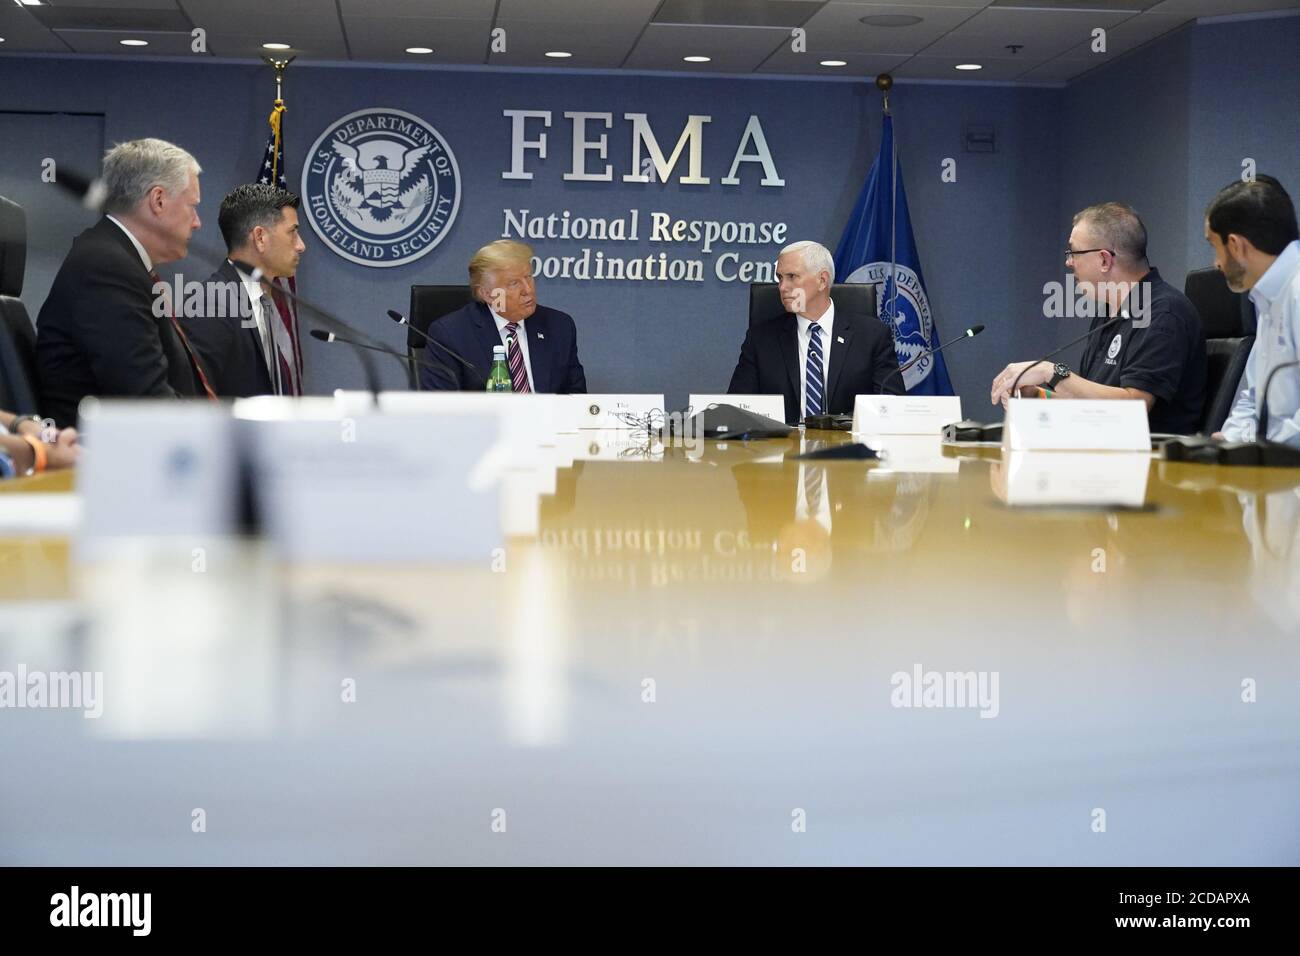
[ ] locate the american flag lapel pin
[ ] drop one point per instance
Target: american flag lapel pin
(840, 339)
(540, 335)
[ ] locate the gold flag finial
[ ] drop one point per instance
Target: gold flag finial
(884, 83)
(280, 66)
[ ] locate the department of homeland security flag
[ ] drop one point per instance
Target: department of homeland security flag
(870, 251)
(284, 332)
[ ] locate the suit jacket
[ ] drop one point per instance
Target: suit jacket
(862, 357)
(97, 333)
(232, 355)
(471, 332)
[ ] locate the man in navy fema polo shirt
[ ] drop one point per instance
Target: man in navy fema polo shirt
(1155, 353)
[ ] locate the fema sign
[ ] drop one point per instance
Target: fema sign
(381, 187)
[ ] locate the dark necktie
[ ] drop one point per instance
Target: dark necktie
(813, 390)
(185, 342)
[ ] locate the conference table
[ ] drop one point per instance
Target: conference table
(711, 654)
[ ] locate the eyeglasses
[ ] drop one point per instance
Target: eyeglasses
(1071, 253)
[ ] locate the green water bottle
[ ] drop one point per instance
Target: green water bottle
(499, 377)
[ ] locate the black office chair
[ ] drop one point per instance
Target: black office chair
(1228, 319)
(765, 300)
(428, 304)
(17, 335)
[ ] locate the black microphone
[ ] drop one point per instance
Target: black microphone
(1053, 354)
(322, 336)
(1261, 430)
(91, 193)
(403, 320)
(968, 334)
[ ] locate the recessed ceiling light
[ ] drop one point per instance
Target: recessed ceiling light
(890, 20)
(697, 59)
(559, 54)
(276, 46)
(134, 42)
(835, 63)
(968, 66)
(419, 49)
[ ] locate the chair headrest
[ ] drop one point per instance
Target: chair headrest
(13, 247)
(1219, 306)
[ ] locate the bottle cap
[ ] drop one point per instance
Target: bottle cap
(498, 351)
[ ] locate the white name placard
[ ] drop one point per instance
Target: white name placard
(156, 470)
(910, 454)
(607, 411)
(771, 406)
(1075, 478)
(904, 414)
(373, 487)
(1071, 424)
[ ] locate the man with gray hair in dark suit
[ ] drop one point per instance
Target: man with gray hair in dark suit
(102, 330)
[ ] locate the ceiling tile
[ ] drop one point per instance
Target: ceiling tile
(250, 46)
(733, 49)
(290, 21)
(1057, 71)
(102, 41)
(592, 12)
(453, 41)
(1128, 36)
(858, 64)
(837, 28)
(425, 9)
(944, 68)
(1042, 34)
(23, 34)
(1219, 8)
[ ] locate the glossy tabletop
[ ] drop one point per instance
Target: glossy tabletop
(722, 654)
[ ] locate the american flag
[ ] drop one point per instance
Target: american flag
(284, 332)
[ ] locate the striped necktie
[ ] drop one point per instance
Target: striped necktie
(515, 359)
(813, 389)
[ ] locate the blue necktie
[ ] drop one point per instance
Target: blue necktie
(813, 391)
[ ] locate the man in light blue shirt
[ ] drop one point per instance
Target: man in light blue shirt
(1252, 228)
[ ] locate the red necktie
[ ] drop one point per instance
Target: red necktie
(185, 343)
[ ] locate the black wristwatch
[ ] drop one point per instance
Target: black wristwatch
(1062, 372)
(19, 419)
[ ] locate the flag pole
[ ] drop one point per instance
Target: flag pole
(884, 83)
(280, 66)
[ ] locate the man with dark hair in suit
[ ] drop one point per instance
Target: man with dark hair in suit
(541, 344)
(104, 329)
(237, 338)
(819, 359)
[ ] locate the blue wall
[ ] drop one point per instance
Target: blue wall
(981, 238)
(1166, 127)
(1161, 128)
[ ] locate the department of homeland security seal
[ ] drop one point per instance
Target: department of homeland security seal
(381, 187)
(906, 312)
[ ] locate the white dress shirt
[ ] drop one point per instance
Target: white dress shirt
(523, 345)
(1277, 303)
(826, 321)
(144, 256)
(255, 292)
